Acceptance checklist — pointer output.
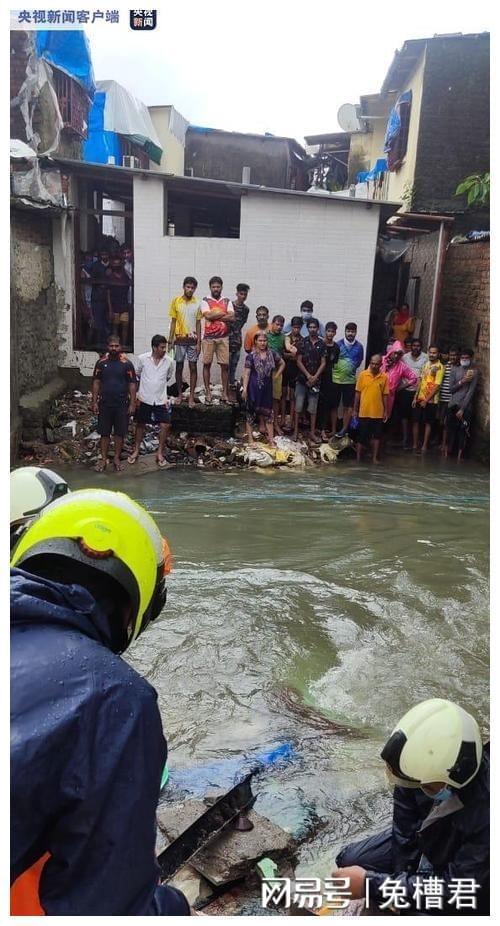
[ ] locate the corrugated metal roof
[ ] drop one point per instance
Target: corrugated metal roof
(192, 184)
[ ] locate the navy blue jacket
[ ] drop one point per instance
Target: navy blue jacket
(453, 836)
(86, 759)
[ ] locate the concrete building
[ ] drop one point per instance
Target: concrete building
(287, 245)
(444, 135)
(272, 160)
(171, 130)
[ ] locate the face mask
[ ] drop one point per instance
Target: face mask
(441, 795)
(307, 314)
(465, 363)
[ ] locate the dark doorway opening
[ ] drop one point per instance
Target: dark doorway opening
(104, 264)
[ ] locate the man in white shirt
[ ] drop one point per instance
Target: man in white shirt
(155, 371)
(415, 360)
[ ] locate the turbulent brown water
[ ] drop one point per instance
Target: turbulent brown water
(305, 603)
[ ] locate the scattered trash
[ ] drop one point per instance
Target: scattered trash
(71, 436)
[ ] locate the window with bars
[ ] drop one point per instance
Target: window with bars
(73, 103)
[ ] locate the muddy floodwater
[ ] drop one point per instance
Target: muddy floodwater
(301, 602)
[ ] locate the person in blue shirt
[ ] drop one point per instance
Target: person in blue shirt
(344, 377)
(306, 312)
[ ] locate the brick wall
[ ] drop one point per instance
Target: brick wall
(422, 259)
(20, 47)
(34, 347)
(464, 319)
(453, 139)
(70, 144)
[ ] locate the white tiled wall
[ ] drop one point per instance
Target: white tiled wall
(290, 249)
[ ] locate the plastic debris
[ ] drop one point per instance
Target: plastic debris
(69, 435)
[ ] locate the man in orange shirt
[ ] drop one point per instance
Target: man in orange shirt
(262, 316)
(370, 404)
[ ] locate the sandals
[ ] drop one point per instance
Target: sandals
(133, 458)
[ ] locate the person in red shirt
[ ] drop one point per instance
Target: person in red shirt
(217, 311)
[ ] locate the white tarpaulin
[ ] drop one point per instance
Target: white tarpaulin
(124, 114)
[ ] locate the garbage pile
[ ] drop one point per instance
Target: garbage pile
(70, 432)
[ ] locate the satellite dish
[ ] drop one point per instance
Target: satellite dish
(347, 118)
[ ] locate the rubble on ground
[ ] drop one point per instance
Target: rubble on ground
(71, 438)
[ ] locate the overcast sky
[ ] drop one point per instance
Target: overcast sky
(269, 65)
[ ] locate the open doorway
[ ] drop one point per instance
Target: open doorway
(104, 263)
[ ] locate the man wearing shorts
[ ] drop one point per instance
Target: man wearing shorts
(113, 400)
(370, 404)
(344, 377)
(155, 371)
(185, 333)
(218, 313)
(426, 401)
(311, 362)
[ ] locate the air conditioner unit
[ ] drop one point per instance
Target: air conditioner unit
(129, 161)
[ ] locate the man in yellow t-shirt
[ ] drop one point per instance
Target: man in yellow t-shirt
(185, 333)
(426, 401)
(370, 405)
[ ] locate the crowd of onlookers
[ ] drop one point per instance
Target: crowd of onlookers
(296, 376)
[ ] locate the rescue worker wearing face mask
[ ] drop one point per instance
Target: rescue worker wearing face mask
(440, 826)
(88, 749)
(32, 488)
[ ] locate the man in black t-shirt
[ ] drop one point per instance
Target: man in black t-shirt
(113, 400)
(327, 408)
(311, 362)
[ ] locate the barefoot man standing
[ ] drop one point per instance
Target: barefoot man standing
(185, 333)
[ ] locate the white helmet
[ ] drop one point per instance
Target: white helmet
(31, 489)
(436, 741)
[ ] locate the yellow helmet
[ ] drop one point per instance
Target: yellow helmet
(110, 533)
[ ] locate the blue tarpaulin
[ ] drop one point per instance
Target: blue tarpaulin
(100, 144)
(68, 50)
(380, 167)
(394, 143)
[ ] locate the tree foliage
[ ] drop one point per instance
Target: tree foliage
(476, 188)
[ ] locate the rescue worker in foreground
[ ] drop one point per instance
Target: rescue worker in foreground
(440, 826)
(87, 749)
(32, 488)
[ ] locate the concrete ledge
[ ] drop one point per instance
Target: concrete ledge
(34, 407)
(31, 401)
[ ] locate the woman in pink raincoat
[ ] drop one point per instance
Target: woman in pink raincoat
(398, 373)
